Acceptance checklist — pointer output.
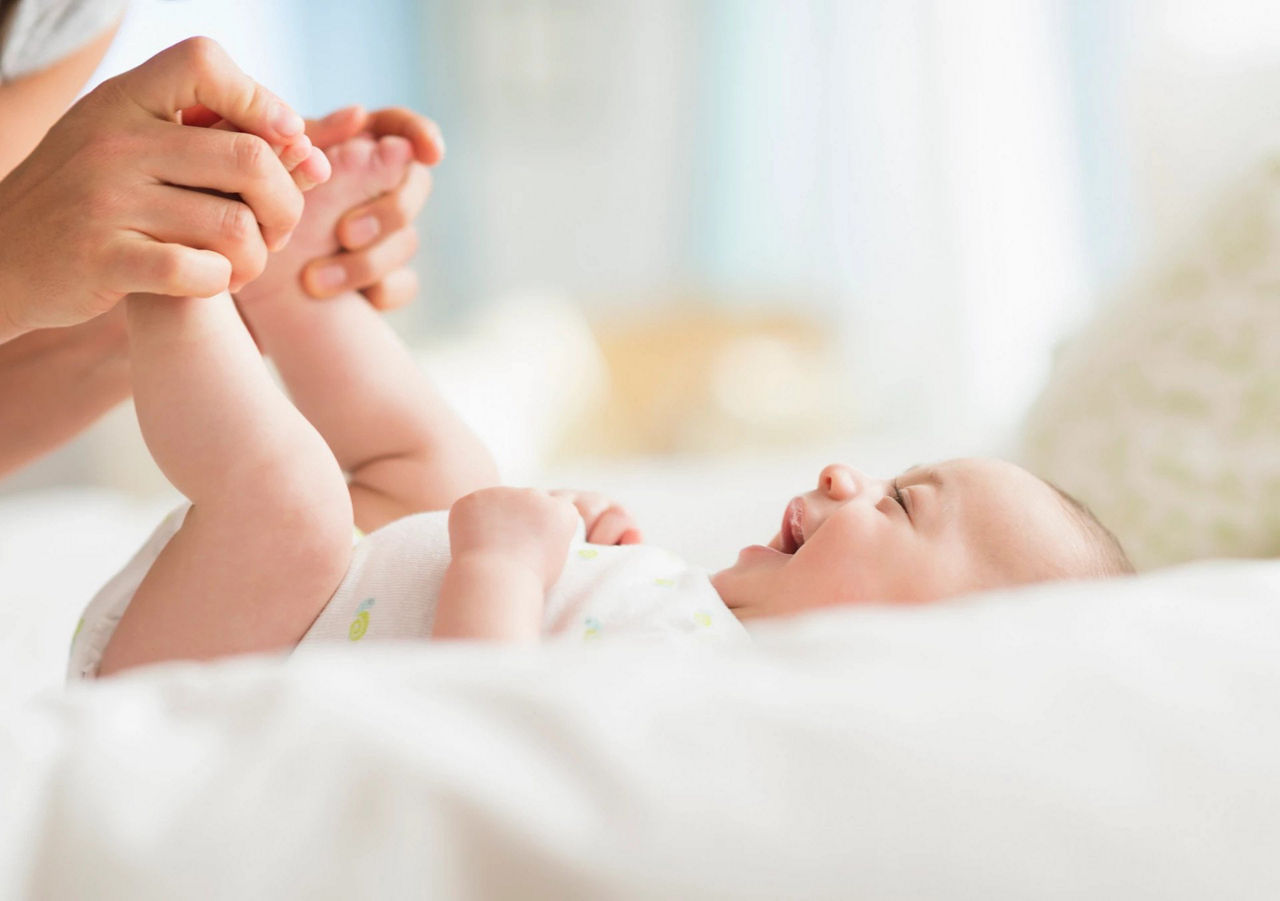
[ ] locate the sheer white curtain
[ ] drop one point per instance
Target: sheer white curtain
(909, 168)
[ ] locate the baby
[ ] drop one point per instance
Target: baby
(262, 558)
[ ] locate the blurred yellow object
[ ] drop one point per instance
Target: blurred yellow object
(697, 378)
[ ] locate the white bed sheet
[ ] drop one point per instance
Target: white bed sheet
(57, 548)
(1076, 741)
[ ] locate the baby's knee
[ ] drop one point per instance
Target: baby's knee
(313, 512)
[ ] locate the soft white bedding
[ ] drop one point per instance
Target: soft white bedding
(57, 548)
(1078, 741)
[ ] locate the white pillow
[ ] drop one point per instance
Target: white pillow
(1163, 416)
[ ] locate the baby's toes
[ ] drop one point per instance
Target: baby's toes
(351, 157)
(393, 154)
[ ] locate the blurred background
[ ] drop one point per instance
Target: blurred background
(730, 231)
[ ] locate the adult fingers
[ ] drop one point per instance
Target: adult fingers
(233, 163)
(314, 169)
(363, 225)
(198, 72)
(199, 116)
(305, 162)
(340, 125)
(293, 155)
(140, 264)
(428, 142)
(359, 269)
(205, 222)
(394, 291)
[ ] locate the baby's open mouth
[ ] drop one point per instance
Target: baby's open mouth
(791, 534)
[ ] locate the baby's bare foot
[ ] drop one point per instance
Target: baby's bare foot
(363, 168)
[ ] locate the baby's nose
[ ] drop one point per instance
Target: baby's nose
(840, 482)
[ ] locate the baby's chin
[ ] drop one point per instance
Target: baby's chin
(750, 598)
(728, 583)
(718, 583)
(748, 574)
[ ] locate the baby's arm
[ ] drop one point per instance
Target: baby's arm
(405, 450)
(508, 546)
(268, 537)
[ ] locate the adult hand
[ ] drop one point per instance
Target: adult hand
(120, 196)
(377, 238)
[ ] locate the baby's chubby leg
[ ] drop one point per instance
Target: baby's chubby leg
(268, 537)
(348, 372)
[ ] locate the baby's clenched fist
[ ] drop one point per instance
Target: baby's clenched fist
(522, 525)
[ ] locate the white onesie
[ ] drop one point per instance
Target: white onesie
(391, 586)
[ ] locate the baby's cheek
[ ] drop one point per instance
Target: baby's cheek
(879, 558)
(836, 570)
(936, 568)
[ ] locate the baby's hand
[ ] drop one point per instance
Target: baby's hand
(521, 525)
(607, 521)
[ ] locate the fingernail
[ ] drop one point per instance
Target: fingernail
(286, 121)
(362, 231)
(330, 277)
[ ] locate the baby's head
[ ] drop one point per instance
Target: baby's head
(933, 532)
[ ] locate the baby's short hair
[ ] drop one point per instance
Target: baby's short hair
(1104, 555)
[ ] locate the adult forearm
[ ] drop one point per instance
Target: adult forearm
(9, 329)
(54, 383)
(31, 104)
(11, 301)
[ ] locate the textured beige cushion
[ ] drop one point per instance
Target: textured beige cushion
(1163, 415)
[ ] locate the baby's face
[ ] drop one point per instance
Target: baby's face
(932, 532)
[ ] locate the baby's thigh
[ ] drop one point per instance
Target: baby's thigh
(229, 582)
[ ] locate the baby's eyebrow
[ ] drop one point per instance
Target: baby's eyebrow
(926, 474)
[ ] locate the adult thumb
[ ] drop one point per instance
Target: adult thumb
(198, 72)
